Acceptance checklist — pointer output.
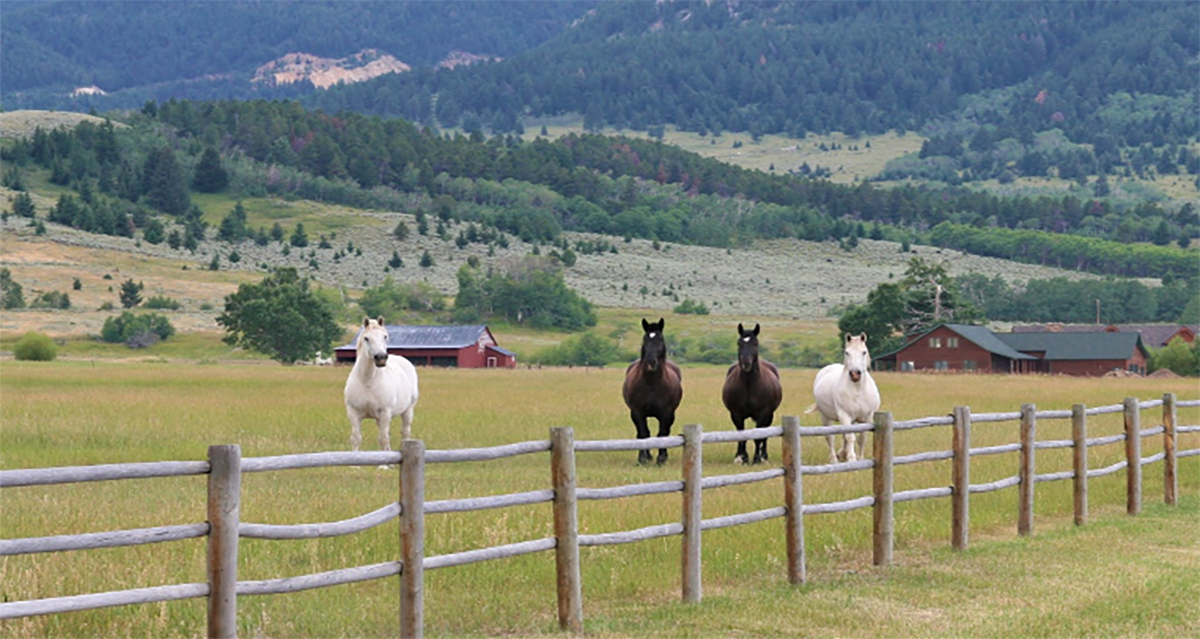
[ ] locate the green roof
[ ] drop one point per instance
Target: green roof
(985, 338)
(1076, 346)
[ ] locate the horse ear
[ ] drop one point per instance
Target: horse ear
(741, 331)
(380, 320)
(756, 328)
(645, 326)
(366, 322)
(661, 323)
(863, 337)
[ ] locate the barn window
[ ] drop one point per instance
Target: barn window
(951, 342)
(907, 367)
(968, 364)
(935, 342)
(941, 365)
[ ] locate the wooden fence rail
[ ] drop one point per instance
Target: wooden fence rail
(224, 528)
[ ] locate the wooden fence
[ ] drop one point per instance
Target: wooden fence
(224, 528)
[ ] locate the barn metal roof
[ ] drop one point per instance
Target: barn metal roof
(1076, 346)
(429, 337)
(985, 338)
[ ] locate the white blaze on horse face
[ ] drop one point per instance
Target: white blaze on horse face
(651, 335)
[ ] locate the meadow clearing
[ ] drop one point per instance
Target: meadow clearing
(1119, 575)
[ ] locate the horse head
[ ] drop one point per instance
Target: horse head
(857, 357)
(654, 347)
(748, 348)
(373, 341)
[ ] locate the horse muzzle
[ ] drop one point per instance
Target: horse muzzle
(855, 375)
(380, 360)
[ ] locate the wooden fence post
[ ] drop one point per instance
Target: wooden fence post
(412, 538)
(566, 530)
(692, 489)
(960, 501)
(1170, 481)
(1028, 436)
(1133, 455)
(224, 516)
(1079, 439)
(884, 524)
(793, 500)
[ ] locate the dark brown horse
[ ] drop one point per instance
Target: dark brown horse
(653, 388)
(752, 390)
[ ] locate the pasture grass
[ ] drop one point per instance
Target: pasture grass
(1118, 575)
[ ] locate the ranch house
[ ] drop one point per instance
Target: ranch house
(962, 348)
(452, 346)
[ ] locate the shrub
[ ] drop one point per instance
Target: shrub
(688, 307)
(136, 329)
(52, 300)
(35, 347)
(162, 302)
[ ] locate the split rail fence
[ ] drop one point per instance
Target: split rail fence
(224, 528)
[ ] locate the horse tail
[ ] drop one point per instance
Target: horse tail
(812, 408)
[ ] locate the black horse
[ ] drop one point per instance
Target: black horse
(653, 388)
(752, 390)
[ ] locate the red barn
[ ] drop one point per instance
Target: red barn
(452, 346)
(958, 347)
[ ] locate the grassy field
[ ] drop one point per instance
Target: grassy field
(1117, 576)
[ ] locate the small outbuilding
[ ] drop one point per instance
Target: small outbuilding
(471, 346)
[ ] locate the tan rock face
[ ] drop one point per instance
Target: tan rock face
(327, 72)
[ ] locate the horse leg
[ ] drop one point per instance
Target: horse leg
(664, 430)
(862, 445)
(643, 432)
(740, 457)
(406, 420)
(760, 445)
(384, 419)
(849, 447)
(833, 455)
(355, 430)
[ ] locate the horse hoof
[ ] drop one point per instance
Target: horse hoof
(739, 460)
(661, 460)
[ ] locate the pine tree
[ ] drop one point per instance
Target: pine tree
(210, 175)
(164, 185)
(299, 238)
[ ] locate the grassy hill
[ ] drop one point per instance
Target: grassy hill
(787, 283)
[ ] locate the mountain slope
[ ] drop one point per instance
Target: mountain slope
(48, 48)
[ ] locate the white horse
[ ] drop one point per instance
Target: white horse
(380, 386)
(846, 394)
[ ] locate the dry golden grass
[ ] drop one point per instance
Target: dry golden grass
(71, 413)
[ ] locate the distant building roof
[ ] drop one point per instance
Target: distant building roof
(1155, 335)
(432, 337)
(984, 338)
(1076, 346)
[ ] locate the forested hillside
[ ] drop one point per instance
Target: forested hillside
(535, 190)
(199, 49)
(796, 67)
(1084, 92)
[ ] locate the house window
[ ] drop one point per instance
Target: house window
(935, 342)
(951, 342)
(941, 366)
(906, 367)
(968, 364)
